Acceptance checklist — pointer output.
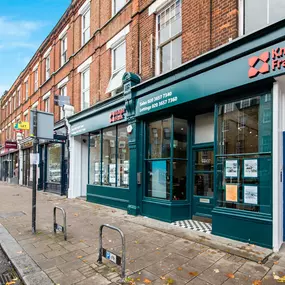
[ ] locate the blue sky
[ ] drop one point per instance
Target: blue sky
(24, 24)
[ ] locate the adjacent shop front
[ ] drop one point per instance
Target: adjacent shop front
(100, 154)
(26, 169)
(9, 158)
(53, 163)
(206, 140)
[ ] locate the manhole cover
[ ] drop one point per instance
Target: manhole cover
(6, 278)
(11, 214)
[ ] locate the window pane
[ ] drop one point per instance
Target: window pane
(54, 163)
(204, 160)
(180, 138)
(118, 5)
(109, 157)
(159, 139)
(179, 180)
(120, 56)
(95, 159)
(204, 185)
(276, 10)
(123, 157)
(255, 15)
(86, 79)
(239, 127)
(166, 57)
(86, 20)
(176, 52)
(159, 179)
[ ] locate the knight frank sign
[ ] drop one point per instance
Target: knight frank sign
(266, 62)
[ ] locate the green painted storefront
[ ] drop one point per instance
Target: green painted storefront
(217, 83)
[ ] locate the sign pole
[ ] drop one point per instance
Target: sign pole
(34, 197)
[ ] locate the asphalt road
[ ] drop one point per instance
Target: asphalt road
(7, 272)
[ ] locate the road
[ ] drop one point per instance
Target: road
(7, 272)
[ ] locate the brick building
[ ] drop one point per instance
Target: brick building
(161, 44)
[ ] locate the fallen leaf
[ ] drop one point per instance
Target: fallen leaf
(79, 256)
(75, 215)
(179, 268)
(230, 275)
(193, 273)
(19, 252)
(162, 277)
(281, 279)
(275, 262)
(146, 281)
(10, 283)
(216, 270)
(257, 282)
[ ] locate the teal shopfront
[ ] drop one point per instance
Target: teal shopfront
(201, 140)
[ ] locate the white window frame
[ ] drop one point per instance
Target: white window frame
(19, 96)
(84, 91)
(84, 30)
(47, 105)
(170, 40)
(36, 80)
(114, 10)
(63, 92)
(119, 71)
(63, 54)
(27, 89)
(47, 63)
(15, 101)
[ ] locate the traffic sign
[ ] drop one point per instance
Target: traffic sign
(22, 126)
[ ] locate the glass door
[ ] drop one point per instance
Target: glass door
(203, 188)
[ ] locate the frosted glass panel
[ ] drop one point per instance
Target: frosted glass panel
(204, 128)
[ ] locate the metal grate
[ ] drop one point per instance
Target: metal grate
(7, 277)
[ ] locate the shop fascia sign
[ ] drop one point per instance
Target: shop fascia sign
(117, 115)
(11, 145)
(22, 126)
(268, 61)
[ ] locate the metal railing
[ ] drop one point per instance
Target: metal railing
(57, 227)
(119, 260)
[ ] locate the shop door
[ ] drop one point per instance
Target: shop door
(203, 180)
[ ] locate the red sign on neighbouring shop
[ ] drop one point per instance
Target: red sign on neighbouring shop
(11, 145)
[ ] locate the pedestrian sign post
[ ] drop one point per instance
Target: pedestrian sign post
(22, 126)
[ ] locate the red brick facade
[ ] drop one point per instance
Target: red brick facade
(206, 24)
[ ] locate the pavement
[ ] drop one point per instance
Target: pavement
(156, 253)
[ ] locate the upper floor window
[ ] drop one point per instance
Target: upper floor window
(118, 68)
(19, 96)
(47, 67)
(118, 5)
(46, 102)
(15, 101)
(85, 87)
(86, 27)
(36, 74)
(27, 90)
(63, 92)
(169, 43)
(64, 50)
(259, 13)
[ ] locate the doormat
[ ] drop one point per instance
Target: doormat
(194, 225)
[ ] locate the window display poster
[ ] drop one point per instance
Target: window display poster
(231, 192)
(112, 173)
(126, 165)
(97, 178)
(126, 179)
(250, 168)
(250, 194)
(159, 179)
(232, 168)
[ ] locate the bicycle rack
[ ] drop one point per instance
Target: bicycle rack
(119, 260)
(57, 227)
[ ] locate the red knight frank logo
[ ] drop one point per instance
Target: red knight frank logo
(253, 61)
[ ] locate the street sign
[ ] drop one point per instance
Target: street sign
(22, 126)
(44, 125)
(61, 100)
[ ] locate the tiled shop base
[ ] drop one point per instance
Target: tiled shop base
(194, 225)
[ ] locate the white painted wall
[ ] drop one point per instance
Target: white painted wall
(278, 128)
(78, 166)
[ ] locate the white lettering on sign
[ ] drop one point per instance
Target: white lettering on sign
(157, 101)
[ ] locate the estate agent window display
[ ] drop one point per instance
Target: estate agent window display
(244, 161)
(109, 157)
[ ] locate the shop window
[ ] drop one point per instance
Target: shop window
(85, 89)
(169, 28)
(86, 27)
(268, 11)
(167, 159)
(54, 163)
(244, 162)
(118, 5)
(118, 69)
(109, 167)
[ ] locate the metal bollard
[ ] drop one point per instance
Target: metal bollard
(57, 227)
(121, 261)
